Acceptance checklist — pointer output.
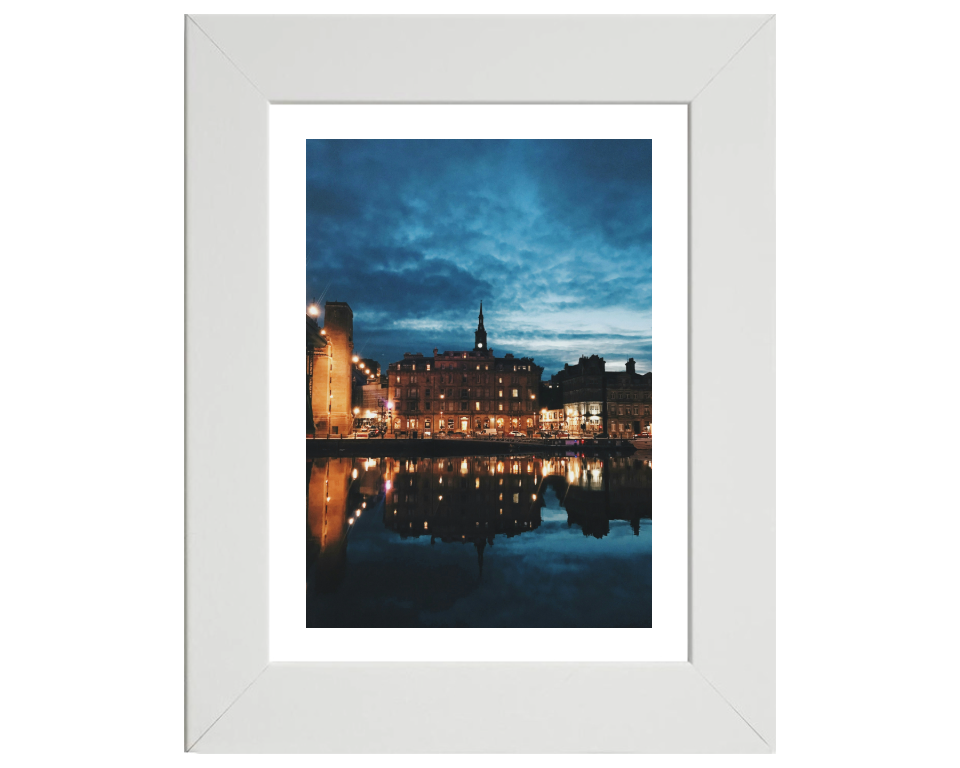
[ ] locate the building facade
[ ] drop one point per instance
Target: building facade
(629, 404)
(600, 402)
(464, 391)
(330, 372)
(582, 387)
(552, 419)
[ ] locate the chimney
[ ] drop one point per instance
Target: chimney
(631, 366)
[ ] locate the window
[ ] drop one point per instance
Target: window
(501, 407)
(428, 393)
(499, 393)
(478, 406)
(516, 393)
(428, 366)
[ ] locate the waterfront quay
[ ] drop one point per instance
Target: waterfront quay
(454, 446)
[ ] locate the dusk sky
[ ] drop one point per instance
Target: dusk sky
(553, 236)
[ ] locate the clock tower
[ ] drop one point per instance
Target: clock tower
(480, 335)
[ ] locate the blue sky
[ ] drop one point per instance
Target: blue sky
(553, 236)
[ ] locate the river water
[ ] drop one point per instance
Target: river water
(518, 541)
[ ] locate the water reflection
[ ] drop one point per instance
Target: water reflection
(386, 509)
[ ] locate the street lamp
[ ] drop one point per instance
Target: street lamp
(313, 310)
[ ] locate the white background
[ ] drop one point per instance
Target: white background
(91, 308)
(290, 126)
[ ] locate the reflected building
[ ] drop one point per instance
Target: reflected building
(463, 499)
(596, 491)
(338, 491)
(467, 500)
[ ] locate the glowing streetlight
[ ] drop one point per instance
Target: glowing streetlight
(356, 359)
(356, 411)
(313, 310)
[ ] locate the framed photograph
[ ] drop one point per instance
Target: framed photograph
(490, 255)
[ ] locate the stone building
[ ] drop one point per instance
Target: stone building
(466, 391)
(582, 386)
(330, 373)
(629, 402)
(374, 396)
(601, 402)
(552, 419)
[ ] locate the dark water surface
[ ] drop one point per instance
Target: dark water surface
(518, 541)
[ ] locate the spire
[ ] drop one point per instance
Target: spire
(480, 335)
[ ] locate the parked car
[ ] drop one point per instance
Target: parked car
(562, 435)
(459, 433)
(515, 433)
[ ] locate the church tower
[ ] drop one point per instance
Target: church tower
(480, 335)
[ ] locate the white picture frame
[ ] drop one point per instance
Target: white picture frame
(722, 699)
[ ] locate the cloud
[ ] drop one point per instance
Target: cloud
(553, 236)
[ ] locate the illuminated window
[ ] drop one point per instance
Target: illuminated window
(501, 406)
(515, 393)
(478, 406)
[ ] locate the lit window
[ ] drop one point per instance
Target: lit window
(500, 404)
(516, 393)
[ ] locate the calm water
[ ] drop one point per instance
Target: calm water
(516, 541)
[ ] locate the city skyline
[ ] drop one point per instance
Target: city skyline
(552, 236)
